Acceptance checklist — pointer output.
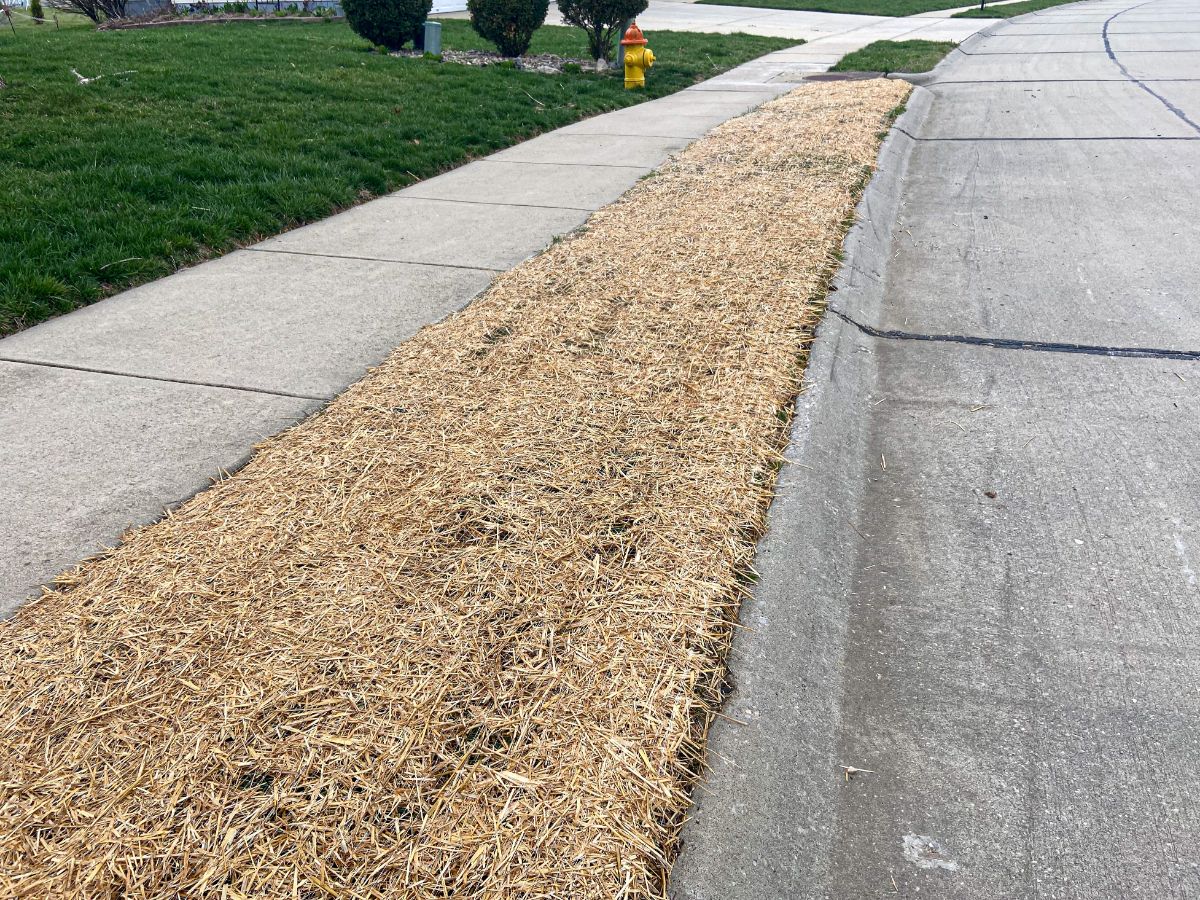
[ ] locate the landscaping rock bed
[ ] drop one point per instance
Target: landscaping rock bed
(546, 63)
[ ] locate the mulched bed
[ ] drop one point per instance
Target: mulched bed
(461, 633)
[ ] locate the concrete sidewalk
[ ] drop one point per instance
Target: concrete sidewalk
(980, 579)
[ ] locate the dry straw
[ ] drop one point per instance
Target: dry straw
(460, 634)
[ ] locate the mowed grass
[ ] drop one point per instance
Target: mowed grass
(1010, 9)
(894, 56)
(222, 135)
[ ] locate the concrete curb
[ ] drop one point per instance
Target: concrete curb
(773, 781)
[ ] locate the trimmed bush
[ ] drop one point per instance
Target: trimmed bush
(601, 19)
(509, 24)
(35, 10)
(392, 23)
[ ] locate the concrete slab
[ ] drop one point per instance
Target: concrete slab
(1089, 42)
(1070, 67)
(1068, 109)
(799, 52)
(763, 92)
(1102, 261)
(1183, 95)
(724, 102)
(574, 149)
(437, 232)
(1002, 687)
(1155, 43)
(1011, 660)
(84, 456)
(518, 184)
(1178, 64)
(947, 31)
(646, 119)
(264, 321)
(820, 51)
(1030, 25)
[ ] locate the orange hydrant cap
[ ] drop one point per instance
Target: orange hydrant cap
(633, 36)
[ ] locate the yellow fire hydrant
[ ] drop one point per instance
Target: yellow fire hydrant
(638, 57)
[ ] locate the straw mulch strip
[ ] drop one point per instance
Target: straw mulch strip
(460, 634)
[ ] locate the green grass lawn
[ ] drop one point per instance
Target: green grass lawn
(226, 134)
(1010, 9)
(879, 7)
(894, 56)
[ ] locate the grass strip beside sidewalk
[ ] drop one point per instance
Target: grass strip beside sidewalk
(894, 56)
(461, 633)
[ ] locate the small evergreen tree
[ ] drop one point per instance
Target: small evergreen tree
(509, 24)
(601, 19)
(35, 10)
(391, 23)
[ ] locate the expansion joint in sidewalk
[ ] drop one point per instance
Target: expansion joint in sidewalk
(401, 262)
(162, 378)
(490, 202)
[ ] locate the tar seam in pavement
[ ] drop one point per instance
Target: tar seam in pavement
(1120, 65)
(1014, 344)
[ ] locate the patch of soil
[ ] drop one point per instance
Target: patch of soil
(546, 63)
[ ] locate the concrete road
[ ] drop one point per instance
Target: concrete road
(980, 582)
